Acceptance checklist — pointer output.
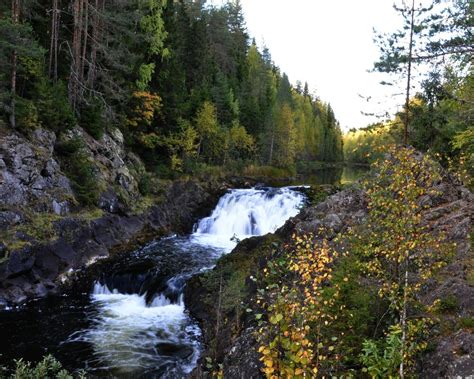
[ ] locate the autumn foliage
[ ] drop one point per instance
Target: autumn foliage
(351, 305)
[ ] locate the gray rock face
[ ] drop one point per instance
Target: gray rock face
(116, 169)
(29, 174)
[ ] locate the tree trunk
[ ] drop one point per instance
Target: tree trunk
(94, 44)
(76, 53)
(15, 20)
(406, 121)
(270, 158)
(53, 45)
(84, 44)
(403, 324)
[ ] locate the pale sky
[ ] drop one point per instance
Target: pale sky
(329, 44)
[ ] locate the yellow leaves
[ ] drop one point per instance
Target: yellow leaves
(268, 363)
(297, 310)
(146, 104)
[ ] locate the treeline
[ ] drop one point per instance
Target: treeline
(441, 123)
(179, 78)
(439, 118)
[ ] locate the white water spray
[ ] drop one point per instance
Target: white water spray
(244, 213)
(128, 333)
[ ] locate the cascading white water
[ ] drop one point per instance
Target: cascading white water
(244, 213)
(128, 332)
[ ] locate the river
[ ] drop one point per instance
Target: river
(133, 321)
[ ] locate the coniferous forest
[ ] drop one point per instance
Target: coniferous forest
(183, 81)
(172, 205)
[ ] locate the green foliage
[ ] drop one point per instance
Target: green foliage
(156, 64)
(91, 118)
(365, 146)
(145, 184)
(27, 114)
(54, 110)
(49, 367)
(447, 304)
(241, 145)
(269, 172)
(381, 360)
(80, 170)
(466, 323)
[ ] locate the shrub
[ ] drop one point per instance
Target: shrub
(54, 110)
(91, 119)
(49, 367)
(26, 114)
(145, 184)
(80, 170)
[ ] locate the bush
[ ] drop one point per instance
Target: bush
(145, 184)
(80, 170)
(269, 171)
(54, 110)
(26, 114)
(448, 304)
(49, 367)
(91, 119)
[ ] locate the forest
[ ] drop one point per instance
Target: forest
(141, 230)
(182, 80)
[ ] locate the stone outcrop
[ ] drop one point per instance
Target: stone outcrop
(30, 177)
(44, 234)
(117, 170)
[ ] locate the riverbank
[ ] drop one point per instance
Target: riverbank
(125, 315)
(52, 222)
(224, 300)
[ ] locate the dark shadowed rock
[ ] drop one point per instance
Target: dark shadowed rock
(79, 243)
(9, 219)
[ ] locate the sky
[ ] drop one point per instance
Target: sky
(328, 44)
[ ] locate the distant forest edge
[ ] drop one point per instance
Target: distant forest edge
(180, 79)
(431, 52)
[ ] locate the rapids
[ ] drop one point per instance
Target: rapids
(134, 322)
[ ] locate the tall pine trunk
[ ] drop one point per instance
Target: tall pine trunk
(272, 142)
(74, 77)
(406, 120)
(91, 74)
(53, 42)
(84, 44)
(15, 20)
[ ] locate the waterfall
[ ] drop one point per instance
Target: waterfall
(141, 332)
(244, 213)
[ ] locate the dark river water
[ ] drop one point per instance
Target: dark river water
(133, 323)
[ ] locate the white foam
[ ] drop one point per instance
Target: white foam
(244, 213)
(126, 330)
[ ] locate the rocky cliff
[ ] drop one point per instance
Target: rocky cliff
(45, 234)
